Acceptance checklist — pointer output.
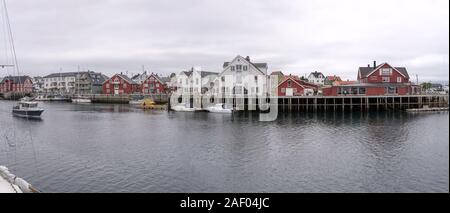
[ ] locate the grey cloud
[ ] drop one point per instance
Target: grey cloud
(335, 37)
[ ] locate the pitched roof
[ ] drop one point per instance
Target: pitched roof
(277, 73)
(97, 78)
(205, 73)
(258, 66)
(16, 79)
(62, 74)
(342, 83)
(365, 71)
(126, 78)
(316, 74)
(333, 78)
(202, 73)
(297, 80)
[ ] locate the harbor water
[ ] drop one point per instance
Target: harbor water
(116, 148)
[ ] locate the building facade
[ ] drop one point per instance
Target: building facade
(38, 84)
(378, 80)
(120, 84)
(329, 80)
(155, 85)
(292, 86)
(60, 83)
(89, 83)
(316, 78)
(20, 84)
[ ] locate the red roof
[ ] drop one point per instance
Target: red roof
(334, 78)
(341, 83)
(298, 81)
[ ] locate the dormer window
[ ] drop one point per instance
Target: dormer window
(386, 71)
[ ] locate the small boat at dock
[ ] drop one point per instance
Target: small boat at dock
(219, 108)
(182, 108)
(81, 100)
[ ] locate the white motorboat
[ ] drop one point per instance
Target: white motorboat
(182, 108)
(219, 108)
(81, 100)
(136, 102)
(42, 98)
(27, 109)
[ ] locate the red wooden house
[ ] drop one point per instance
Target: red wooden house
(120, 84)
(16, 84)
(378, 80)
(293, 86)
(155, 85)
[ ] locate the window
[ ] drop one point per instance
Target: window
(196, 81)
(399, 79)
(124, 86)
(157, 85)
(107, 86)
(239, 67)
(232, 68)
(386, 71)
(289, 83)
(362, 91)
(187, 81)
(283, 90)
(391, 90)
(245, 68)
(386, 79)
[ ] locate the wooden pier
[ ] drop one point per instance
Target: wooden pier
(360, 103)
(346, 103)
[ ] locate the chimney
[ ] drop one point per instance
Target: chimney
(247, 58)
(374, 64)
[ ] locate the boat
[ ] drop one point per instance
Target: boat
(81, 100)
(219, 108)
(150, 104)
(136, 102)
(58, 98)
(182, 108)
(27, 109)
(10, 183)
(42, 98)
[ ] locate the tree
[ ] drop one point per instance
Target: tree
(426, 85)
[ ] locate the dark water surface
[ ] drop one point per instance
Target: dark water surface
(114, 148)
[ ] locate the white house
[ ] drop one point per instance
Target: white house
(191, 85)
(241, 78)
(63, 83)
(316, 78)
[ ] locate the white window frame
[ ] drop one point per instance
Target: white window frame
(385, 71)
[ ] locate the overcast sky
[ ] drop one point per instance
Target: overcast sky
(298, 37)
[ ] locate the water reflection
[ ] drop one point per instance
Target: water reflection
(116, 148)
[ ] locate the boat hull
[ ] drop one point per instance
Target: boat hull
(81, 101)
(28, 113)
